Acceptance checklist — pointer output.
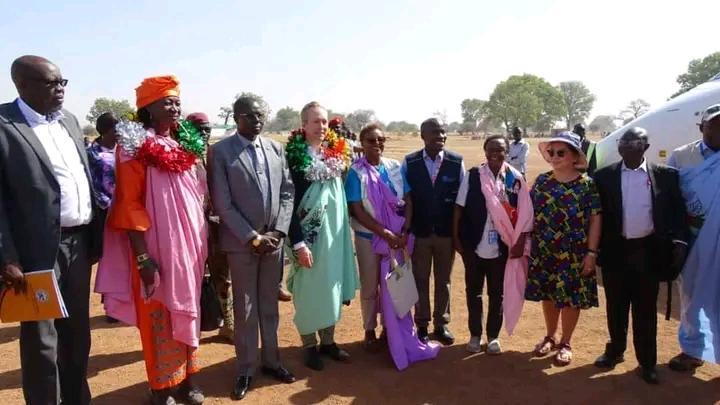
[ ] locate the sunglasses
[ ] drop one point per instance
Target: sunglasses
(51, 84)
(561, 153)
(376, 141)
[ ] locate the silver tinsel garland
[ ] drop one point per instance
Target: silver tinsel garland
(131, 135)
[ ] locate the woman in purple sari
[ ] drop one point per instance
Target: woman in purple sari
(375, 188)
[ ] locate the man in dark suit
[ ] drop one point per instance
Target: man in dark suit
(434, 176)
(643, 218)
(45, 211)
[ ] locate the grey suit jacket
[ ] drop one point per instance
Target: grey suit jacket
(236, 196)
(29, 192)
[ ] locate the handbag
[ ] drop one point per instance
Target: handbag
(401, 285)
(211, 316)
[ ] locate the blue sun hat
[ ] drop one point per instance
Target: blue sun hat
(571, 139)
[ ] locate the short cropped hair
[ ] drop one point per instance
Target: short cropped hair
(308, 107)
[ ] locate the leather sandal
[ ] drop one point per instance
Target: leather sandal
(544, 348)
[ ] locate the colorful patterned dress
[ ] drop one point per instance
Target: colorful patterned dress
(562, 224)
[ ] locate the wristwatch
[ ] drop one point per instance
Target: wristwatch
(141, 258)
(256, 241)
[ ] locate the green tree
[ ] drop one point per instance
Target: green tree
(525, 101)
(699, 71)
(635, 109)
(473, 112)
(603, 124)
(121, 108)
(357, 119)
(286, 119)
(578, 102)
(401, 126)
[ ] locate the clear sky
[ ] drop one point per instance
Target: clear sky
(403, 59)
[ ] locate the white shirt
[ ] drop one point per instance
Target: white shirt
(488, 247)
(75, 198)
(518, 155)
(636, 202)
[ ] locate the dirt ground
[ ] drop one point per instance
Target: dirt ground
(117, 373)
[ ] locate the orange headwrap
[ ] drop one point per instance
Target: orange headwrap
(154, 88)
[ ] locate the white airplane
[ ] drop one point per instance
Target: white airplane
(669, 126)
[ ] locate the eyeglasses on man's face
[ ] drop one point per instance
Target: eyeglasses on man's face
(255, 116)
(51, 83)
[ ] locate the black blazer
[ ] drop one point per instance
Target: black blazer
(668, 216)
(30, 194)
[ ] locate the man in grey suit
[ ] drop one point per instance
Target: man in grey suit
(252, 193)
(45, 211)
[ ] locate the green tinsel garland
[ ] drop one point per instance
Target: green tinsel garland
(296, 151)
(190, 138)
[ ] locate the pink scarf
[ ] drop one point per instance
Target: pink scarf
(177, 240)
(515, 268)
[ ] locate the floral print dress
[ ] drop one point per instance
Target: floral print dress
(562, 224)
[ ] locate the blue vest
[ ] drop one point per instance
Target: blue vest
(433, 204)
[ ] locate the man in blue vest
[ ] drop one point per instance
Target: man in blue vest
(434, 176)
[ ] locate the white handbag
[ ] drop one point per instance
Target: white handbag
(401, 285)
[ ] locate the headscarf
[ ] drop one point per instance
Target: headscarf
(155, 88)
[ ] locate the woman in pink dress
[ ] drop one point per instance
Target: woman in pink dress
(155, 239)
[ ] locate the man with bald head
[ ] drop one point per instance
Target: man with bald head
(643, 242)
(45, 211)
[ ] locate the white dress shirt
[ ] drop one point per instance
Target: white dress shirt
(518, 155)
(636, 202)
(75, 198)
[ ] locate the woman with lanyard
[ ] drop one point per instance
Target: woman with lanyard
(492, 218)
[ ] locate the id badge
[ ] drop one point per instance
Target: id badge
(492, 237)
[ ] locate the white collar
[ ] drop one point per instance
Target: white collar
(643, 167)
(35, 118)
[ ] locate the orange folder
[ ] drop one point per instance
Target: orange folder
(41, 300)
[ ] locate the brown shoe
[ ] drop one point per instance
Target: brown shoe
(684, 362)
(284, 295)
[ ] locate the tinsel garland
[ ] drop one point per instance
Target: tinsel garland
(134, 141)
(335, 158)
(190, 138)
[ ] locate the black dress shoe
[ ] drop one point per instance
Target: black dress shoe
(422, 334)
(242, 386)
(649, 375)
(312, 359)
(281, 374)
(444, 336)
(334, 352)
(607, 361)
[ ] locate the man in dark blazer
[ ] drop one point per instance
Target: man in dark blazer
(45, 212)
(643, 240)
